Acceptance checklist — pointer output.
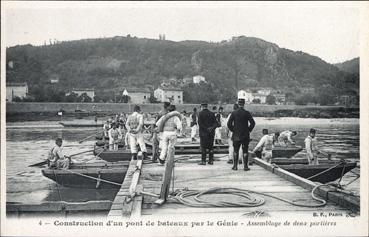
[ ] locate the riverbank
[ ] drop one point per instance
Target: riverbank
(22, 111)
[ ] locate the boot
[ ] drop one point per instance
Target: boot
(211, 157)
(134, 156)
(203, 156)
(246, 162)
(235, 161)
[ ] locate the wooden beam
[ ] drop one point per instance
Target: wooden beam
(329, 193)
(103, 205)
(128, 204)
(167, 177)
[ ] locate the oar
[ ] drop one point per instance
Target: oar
(87, 138)
(45, 161)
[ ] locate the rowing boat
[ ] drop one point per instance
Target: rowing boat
(89, 175)
(84, 125)
(325, 172)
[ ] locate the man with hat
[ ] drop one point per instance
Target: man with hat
(311, 149)
(114, 135)
(134, 127)
(207, 125)
(241, 123)
(56, 158)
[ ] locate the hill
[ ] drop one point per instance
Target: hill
(350, 66)
(114, 63)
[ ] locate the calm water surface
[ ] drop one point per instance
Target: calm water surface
(28, 143)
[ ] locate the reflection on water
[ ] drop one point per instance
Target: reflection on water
(28, 143)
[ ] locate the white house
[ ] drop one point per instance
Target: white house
(137, 95)
(197, 79)
(167, 94)
(89, 92)
(16, 90)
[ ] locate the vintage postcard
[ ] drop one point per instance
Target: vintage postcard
(184, 118)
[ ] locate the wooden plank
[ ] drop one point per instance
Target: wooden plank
(344, 200)
(128, 207)
(167, 175)
(59, 206)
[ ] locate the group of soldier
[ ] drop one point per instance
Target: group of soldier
(169, 123)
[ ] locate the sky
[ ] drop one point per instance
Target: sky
(329, 30)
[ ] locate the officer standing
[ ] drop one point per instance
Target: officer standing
(241, 123)
(207, 125)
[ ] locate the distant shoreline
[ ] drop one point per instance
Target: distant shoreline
(32, 111)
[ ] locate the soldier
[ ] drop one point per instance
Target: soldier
(218, 135)
(134, 127)
(169, 124)
(230, 143)
(311, 148)
(241, 123)
(155, 135)
(193, 125)
(56, 158)
(285, 137)
(207, 125)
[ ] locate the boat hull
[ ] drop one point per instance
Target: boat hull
(190, 148)
(336, 170)
(75, 177)
(285, 152)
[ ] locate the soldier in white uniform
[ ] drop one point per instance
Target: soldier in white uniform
(114, 135)
(266, 145)
(171, 127)
(134, 127)
(311, 148)
(57, 159)
(286, 137)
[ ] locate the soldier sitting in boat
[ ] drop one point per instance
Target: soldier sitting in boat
(266, 145)
(285, 137)
(56, 157)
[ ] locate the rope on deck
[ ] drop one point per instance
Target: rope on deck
(181, 196)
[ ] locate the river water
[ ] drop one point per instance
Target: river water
(28, 143)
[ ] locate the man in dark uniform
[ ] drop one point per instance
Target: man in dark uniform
(207, 125)
(241, 123)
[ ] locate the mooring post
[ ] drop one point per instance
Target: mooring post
(164, 192)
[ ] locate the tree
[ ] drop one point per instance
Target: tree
(72, 97)
(256, 101)
(84, 98)
(270, 100)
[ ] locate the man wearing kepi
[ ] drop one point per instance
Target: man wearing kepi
(134, 127)
(57, 159)
(169, 124)
(207, 125)
(311, 149)
(241, 123)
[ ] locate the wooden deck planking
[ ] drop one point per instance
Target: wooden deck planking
(195, 177)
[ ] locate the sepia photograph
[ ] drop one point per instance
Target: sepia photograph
(184, 118)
